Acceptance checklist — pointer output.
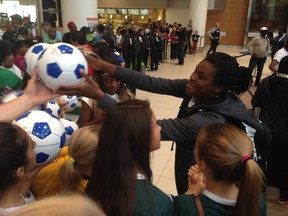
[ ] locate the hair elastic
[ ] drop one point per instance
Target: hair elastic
(245, 158)
(72, 160)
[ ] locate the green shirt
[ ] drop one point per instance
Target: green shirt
(9, 81)
(151, 201)
(185, 205)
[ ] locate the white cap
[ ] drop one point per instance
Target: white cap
(264, 28)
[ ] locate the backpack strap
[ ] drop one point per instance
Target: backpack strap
(199, 206)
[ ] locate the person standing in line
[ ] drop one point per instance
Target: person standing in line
(181, 34)
(189, 29)
(215, 34)
(272, 97)
(259, 47)
(195, 38)
(174, 44)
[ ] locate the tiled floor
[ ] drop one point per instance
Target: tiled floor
(164, 106)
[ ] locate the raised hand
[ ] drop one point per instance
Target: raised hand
(87, 89)
(196, 180)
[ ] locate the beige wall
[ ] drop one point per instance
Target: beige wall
(177, 15)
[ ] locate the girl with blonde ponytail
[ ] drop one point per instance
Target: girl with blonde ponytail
(71, 170)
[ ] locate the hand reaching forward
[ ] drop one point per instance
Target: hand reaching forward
(37, 91)
(87, 89)
(196, 181)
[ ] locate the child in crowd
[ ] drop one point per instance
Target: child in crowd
(72, 168)
(226, 180)
(10, 74)
(195, 38)
(21, 48)
(17, 165)
(121, 176)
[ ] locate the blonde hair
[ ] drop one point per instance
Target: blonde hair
(72, 205)
(222, 147)
(82, 149)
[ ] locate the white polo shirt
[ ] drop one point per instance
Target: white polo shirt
(281, 53)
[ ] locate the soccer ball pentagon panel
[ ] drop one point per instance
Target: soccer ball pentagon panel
(32, 55)
(53, 108)
(46, 131)
(70, 127)
(60, 64)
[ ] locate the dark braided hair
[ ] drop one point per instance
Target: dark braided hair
(229, 75)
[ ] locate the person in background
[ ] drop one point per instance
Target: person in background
(118, 40)
(215, 35)
(17, 165)
(10, 74)
(124, 169)
(278, 42)
(181, 35)
(78, 38)
(281, 53)
(136, 25)
(51, 39)
(21, 47)
(143, 46)
(71, 170)
(156, 44)
(195, 38)
(271, 97)
(46, 27)
(99, 36)
(18, 29)
(189, 30)
(67, 36)
(225, 180)
(174, 44)
(72, 26)
(259, 47)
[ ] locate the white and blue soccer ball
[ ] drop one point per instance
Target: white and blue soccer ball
(70, 127)
(32, 55)
(53, 108)
(14, 94)
(60, 64)
(46, 131)
(68, 103)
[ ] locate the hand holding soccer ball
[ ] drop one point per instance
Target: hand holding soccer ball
(58, 64)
